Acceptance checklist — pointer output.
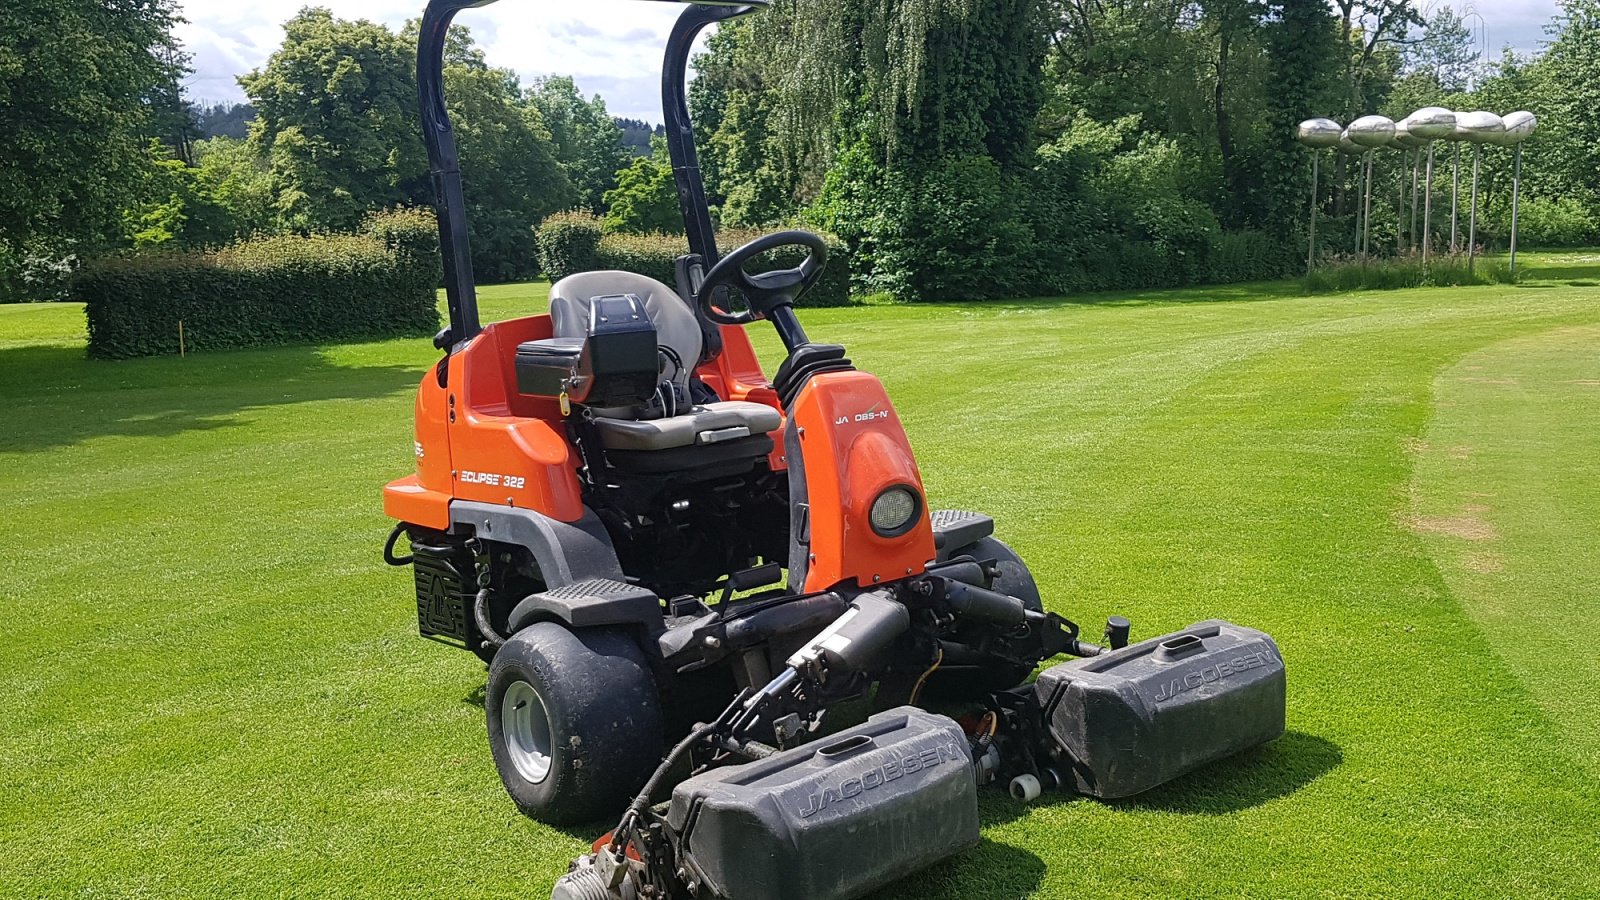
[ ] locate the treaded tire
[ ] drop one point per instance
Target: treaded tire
(603, 718)
(1015, 580)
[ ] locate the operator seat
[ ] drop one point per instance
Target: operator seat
(670, 419)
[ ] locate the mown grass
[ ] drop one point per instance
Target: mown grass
(215, 688)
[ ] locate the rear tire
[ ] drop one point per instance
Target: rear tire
(1014, 579)
(574, 721)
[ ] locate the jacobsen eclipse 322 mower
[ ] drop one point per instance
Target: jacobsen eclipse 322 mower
(676, 567)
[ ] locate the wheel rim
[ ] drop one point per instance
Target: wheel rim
(526, 724)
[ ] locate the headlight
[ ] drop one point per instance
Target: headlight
(895, 510)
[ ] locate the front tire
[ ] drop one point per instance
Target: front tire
(574, 721)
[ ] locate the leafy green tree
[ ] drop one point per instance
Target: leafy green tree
(76, 78)
(588, 141)
(336, 118)
(337, 123)
(1306, 59)
(176, 206)
(645, 198)
(239, 180)
(1565, 93)
(1444, 52)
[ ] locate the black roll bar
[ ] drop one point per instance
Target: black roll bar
(444, 163)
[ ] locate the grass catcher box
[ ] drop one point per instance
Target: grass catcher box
(834, 818)
(1131, 719)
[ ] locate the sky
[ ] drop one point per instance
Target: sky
(610, 47)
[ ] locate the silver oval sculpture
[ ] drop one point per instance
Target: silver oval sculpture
(1404, 138)
(1432, 123)
(1371, 132)
(1519, 127)
(1348, 145)
(1318, 134)
(1479, 127)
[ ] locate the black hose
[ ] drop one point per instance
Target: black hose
(641, 803)
(480, 614)
(388, 548)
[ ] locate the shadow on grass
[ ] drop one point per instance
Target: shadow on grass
(54, 396)
(1249, 779)
(1247, 292)
(991, 869)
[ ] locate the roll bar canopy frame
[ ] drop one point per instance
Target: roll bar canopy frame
(444, 161)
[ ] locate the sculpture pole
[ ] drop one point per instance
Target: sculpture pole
(1311, 249)
(1366, 211)
(1317, 134)
(1472, 219)
(1416, 166)
(1427, 208)
(1519, 127)
(1430, 124)
(1455, 199)
(1516, 191)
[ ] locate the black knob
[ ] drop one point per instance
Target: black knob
(1117, 629)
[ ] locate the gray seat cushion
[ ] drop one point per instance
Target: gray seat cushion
(709, 424)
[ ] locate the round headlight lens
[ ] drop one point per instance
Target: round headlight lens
(894, 510)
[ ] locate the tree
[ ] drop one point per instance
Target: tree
(1566, 94)
(588, 141)
(645, 198)
(336, 117)
(337, 123)
(1445, 52)
(75, 80)
(1307, 58)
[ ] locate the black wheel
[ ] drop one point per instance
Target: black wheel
(574, 721)
(1014, 579)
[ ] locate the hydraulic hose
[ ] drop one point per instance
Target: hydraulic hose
(480, 615)
(388, 548)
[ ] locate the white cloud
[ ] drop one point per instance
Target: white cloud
(611, 47)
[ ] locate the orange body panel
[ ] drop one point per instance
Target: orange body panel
(479, 439)
(406, 500)
(854, 448)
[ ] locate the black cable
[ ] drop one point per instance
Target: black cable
(388, 548)
(480, 614)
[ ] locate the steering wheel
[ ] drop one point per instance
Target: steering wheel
(766, 291)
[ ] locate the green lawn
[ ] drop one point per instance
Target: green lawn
(215, 688)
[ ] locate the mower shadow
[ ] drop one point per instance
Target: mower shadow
(1244, 781)
(991, 869)
(56, 397)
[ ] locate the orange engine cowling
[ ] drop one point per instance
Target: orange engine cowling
(850, 446)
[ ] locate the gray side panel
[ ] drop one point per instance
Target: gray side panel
(565, 551)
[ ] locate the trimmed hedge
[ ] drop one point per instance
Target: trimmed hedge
(572, 242)
(568, 242)
(277, 290)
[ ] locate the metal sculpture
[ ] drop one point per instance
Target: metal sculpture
(1519, 127)
(1431, 123)
(1319, 135)
(1478, 128)
(1368, 133)
(1413, 145)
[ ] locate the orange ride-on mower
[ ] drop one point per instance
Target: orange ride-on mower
(676, 567)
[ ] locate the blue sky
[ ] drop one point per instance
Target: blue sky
(612, 47)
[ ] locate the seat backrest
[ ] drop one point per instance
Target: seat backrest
(677, 328)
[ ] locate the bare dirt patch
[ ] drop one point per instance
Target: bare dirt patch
(1469, 525)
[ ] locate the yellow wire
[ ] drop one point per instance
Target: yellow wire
(917, 688)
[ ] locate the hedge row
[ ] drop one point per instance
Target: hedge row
(286, 289)
(572, 242)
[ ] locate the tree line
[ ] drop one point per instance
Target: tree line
(958, 148)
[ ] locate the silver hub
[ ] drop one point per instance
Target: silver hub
(526, 725)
